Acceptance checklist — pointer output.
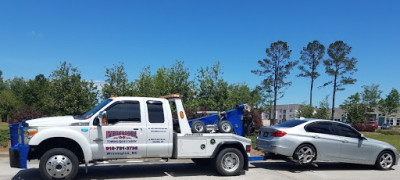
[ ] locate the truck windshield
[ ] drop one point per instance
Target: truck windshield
(95, 109)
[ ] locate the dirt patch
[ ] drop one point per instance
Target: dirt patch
(5, 149)
(256, 152)
(365, 132)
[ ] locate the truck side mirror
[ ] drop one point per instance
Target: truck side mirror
(103, 118)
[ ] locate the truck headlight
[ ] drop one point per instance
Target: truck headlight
(28, 133)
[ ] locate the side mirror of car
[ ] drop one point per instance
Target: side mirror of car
(103, 118)
(361, 137)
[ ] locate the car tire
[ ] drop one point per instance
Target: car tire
(59, 163)
(225, 127)
(229, 162)
(202, 161)
(198, 127)
(385, 160)
(305, 154)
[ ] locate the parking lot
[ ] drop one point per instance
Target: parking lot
(185, 169)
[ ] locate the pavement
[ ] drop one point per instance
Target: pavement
(185, 169)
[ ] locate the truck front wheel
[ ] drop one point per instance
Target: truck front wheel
(229, 162)
(59, 163)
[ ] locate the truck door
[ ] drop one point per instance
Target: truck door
(125, 136)
(159, 128)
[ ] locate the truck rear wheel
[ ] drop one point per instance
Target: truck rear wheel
(229, 162)
(59, 163)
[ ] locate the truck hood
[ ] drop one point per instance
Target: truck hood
(54, 121)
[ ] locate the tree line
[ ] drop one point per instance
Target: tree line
(65, 92)
(361, 105)
(338, 65)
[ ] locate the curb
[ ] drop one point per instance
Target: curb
(2, 155)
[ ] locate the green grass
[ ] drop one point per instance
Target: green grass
(4, 134)
(253, 138)
(394, 140)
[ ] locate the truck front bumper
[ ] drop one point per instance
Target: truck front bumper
(18, 151)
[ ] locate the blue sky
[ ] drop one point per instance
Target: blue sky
(35, 36)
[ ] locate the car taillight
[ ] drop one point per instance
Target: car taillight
(248, 148)
(259, 132)
(278, 134)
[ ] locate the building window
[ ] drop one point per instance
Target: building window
(398, 122)
(280, 116)
(391, 121)
(291, 110)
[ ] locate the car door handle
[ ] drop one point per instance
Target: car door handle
(345, 141)
(315, 136)
(135, 128)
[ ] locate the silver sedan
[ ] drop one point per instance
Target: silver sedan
(308, 140)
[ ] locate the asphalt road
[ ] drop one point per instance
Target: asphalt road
(185, 169)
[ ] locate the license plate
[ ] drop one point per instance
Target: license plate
(265, 134)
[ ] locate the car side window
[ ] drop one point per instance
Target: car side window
(346, 131)
(155, 111)
(124, 112)
(320, 127)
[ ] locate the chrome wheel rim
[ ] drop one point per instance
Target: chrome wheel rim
(305, 155)
(386, 160)
(58, 166)
(198, 127)
(230, 162)
(226, 127)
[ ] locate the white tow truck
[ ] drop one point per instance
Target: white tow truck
(122, 129)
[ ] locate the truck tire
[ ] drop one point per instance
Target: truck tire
(229, 162)
(225, 127)
(198, 127)
(201, 161)
(59, 163)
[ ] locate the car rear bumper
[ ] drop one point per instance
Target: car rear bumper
(274, 146)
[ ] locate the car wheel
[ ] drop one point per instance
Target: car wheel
(198, 127)
(385, 160)
(201, 161)
(229, 162)
(305, 154)
(59, 163)
(225, 127)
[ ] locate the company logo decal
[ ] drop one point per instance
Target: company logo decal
(121, 134)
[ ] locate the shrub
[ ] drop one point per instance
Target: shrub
(369, 128)
(388, 132)
(25, 114)
(359, 126)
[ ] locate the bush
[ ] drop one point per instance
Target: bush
(25, 114)
(369, 128)
(359, 126)
(388, 132)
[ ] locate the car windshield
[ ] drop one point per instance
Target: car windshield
(291, 123)
(95, 109)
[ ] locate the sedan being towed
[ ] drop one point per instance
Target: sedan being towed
(307, 140)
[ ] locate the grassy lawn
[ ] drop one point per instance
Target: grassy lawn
(4, 134)
(394, 140)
